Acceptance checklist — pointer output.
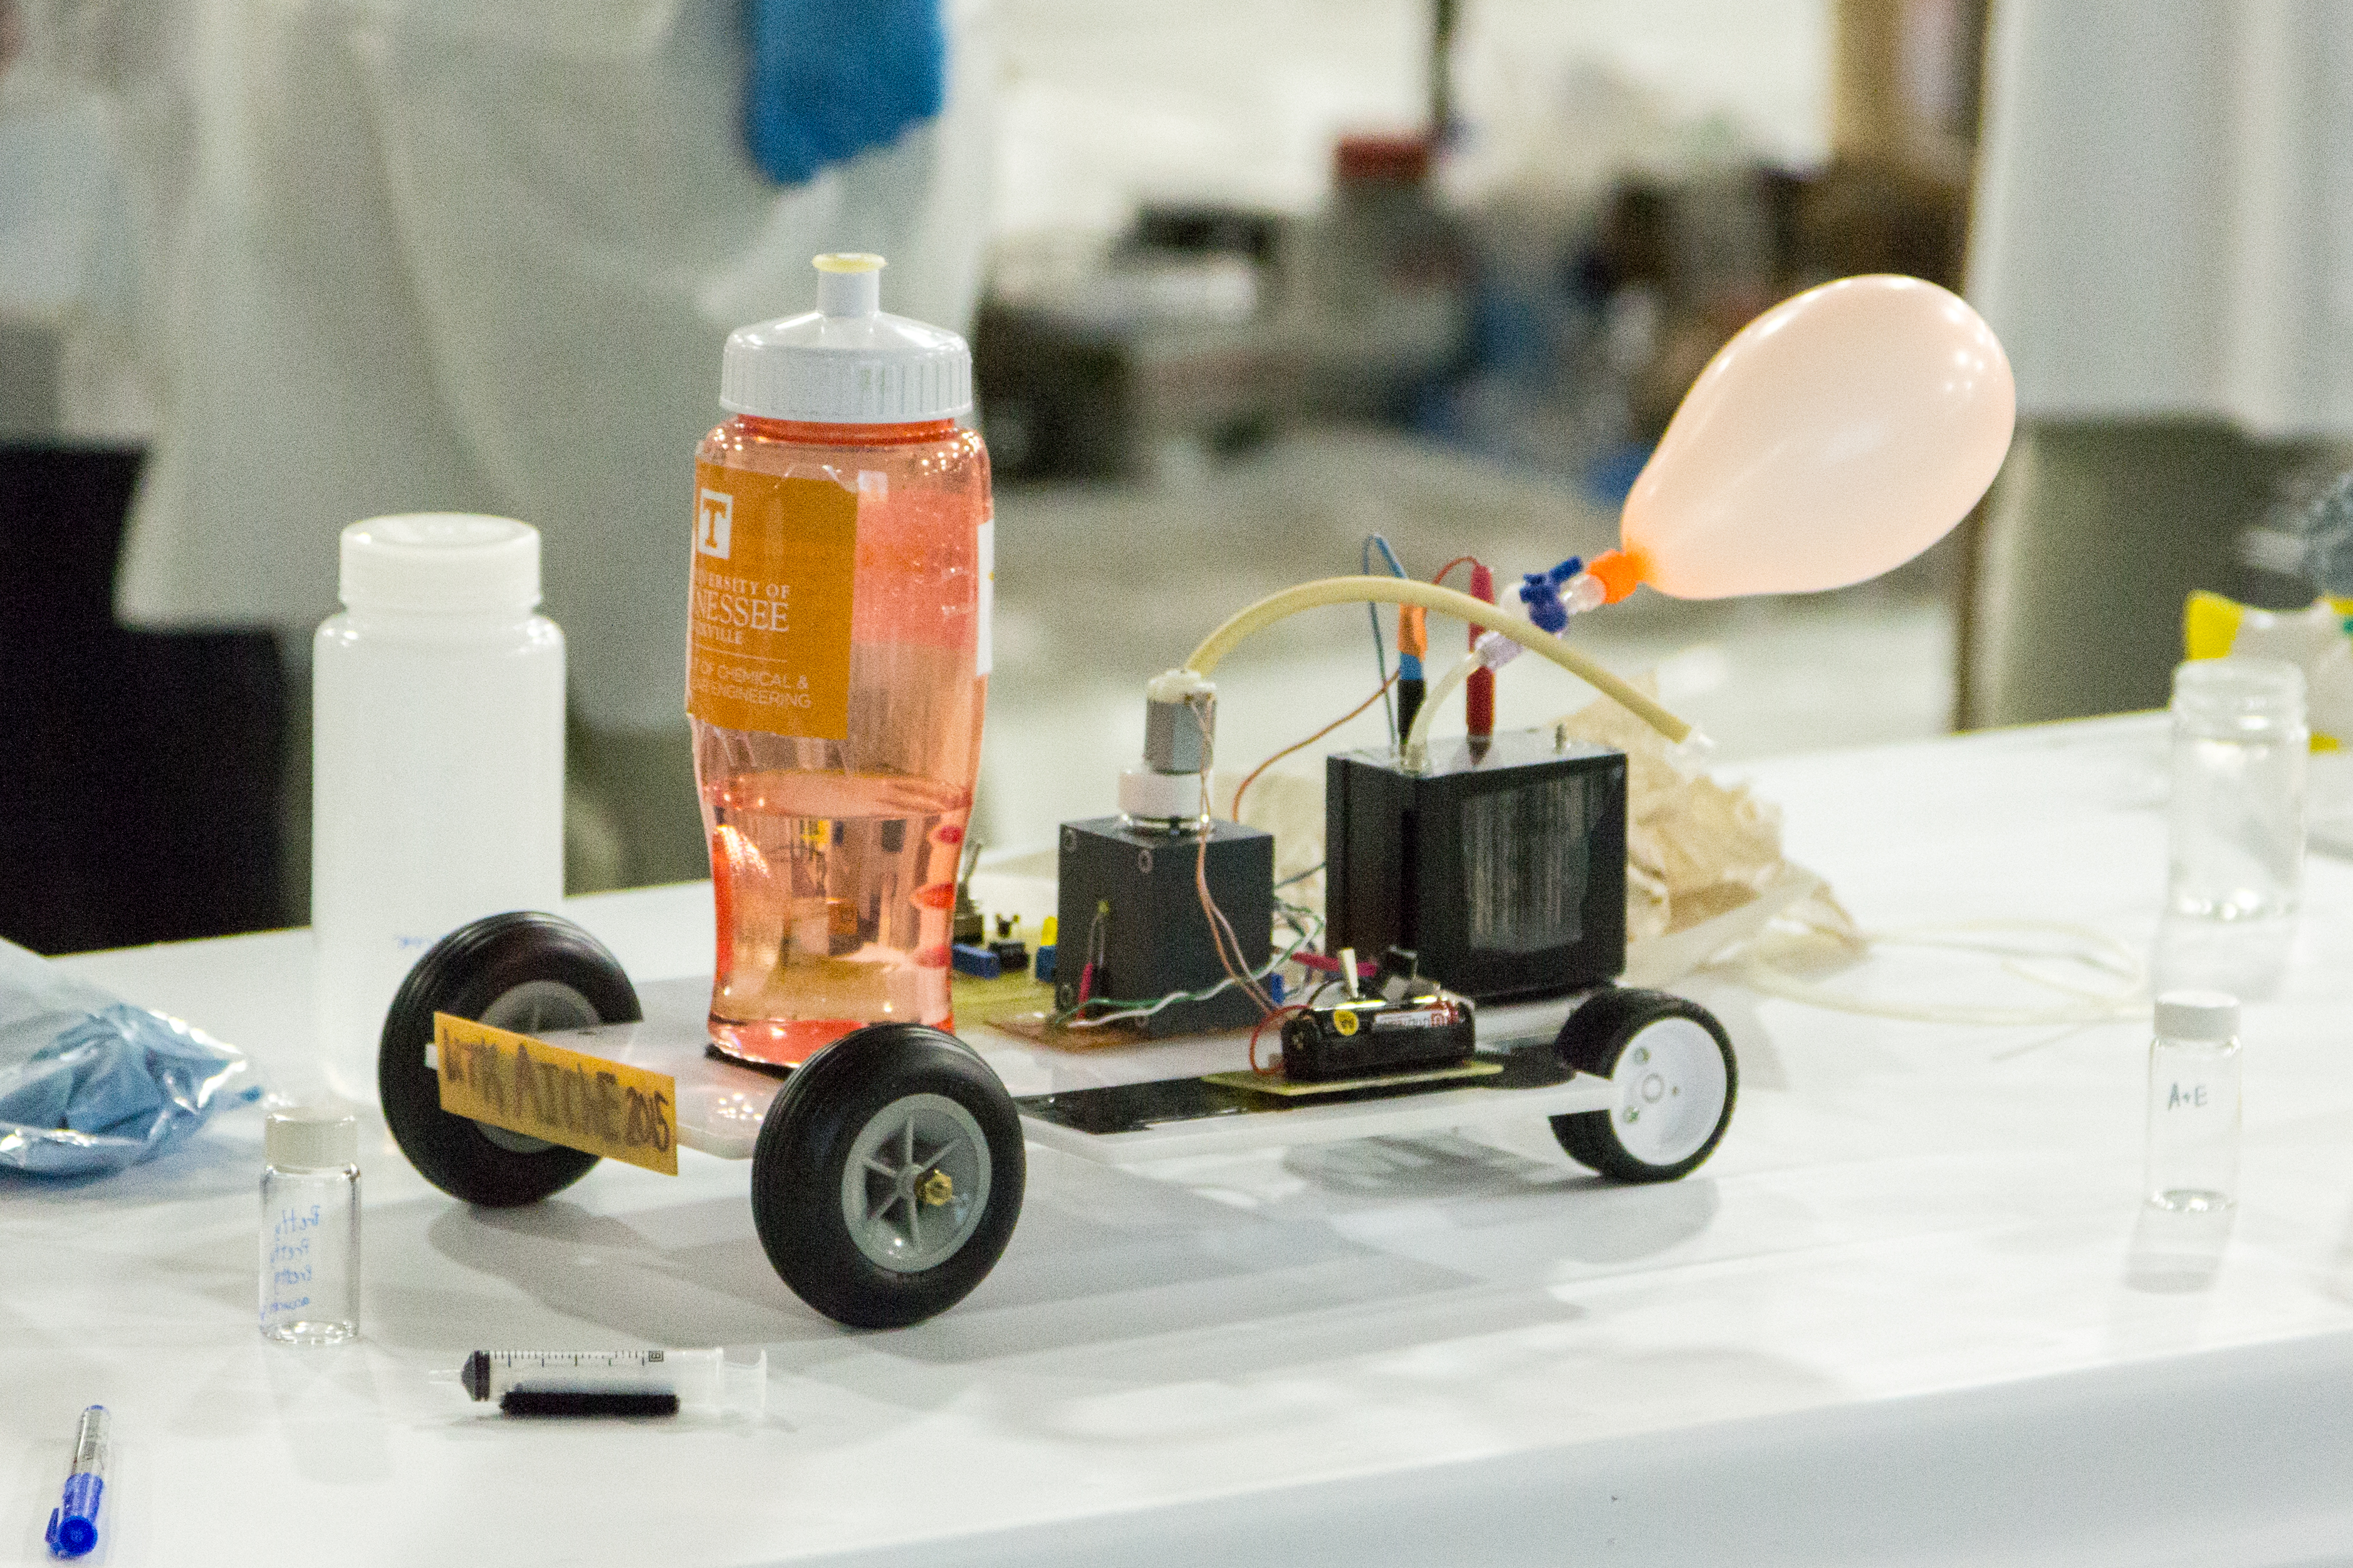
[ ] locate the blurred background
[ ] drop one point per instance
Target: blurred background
(1246, 283)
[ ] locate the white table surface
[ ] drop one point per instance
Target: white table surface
(1909, 1312)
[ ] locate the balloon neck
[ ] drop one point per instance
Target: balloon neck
(1620, 571)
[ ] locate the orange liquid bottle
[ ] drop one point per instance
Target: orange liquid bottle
(837, 667)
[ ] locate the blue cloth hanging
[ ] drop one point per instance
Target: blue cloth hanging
(831, 78)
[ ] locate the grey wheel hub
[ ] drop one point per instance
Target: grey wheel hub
(534, 1007)
(916, 1182)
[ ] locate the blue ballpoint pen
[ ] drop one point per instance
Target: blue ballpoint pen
(73, 1524)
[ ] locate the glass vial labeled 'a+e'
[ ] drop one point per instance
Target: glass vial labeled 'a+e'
(310, 1227)
(2193, 1102)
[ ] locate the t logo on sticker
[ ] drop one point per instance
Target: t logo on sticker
(715, 524)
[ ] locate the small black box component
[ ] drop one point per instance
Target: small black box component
(1505, 871)
(1367, 1037)
(1127, 902)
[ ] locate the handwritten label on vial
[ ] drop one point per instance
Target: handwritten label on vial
(544, 1091)
(290, 1264)
(767, 643)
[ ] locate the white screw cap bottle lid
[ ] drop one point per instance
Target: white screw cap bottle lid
(311, 1138)
(846, 362)
(2197, 1015)
(440, 563)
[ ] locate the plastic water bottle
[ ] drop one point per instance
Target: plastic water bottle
(2193, 1102)
(837, 665)
(437, 760)
(310, 1227)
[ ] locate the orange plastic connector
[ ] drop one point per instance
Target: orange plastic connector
(1413, 630)
(1620, 573)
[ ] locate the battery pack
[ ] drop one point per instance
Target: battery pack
(1366, 1037)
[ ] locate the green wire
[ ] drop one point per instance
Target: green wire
(1123, 1004)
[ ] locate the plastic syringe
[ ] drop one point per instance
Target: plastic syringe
(617, 1383)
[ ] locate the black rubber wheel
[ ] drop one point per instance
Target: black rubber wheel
(888, 1175)
(1672, 1066)
(525, 972)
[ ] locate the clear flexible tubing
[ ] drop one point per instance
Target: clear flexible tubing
(2094, 949)
(1448, 602)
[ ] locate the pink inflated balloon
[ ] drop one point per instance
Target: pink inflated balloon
(1841, 432)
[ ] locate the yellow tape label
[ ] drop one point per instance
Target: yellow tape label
(544, 1091)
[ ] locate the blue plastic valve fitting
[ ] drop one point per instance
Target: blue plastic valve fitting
(1540, 592)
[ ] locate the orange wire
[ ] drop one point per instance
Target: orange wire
(1264, 1019)
(1228, 946)
(1310, 739)
(1222, 939)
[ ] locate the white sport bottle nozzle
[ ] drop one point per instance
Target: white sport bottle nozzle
(849, 284)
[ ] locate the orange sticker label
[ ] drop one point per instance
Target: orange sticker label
(767, 641)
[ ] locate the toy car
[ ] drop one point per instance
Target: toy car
(887, 1171)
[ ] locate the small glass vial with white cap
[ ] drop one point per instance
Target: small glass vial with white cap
(2193, 1102)
(310, 1227)
(437, 760)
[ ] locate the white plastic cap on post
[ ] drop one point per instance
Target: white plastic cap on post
(2197, 1015)
(846, 362)
(1148, 794)
(310, 1139)
(440, 563)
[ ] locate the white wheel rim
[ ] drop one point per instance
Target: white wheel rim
(1671, 1085)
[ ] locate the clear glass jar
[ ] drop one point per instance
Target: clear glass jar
(2193, 1102)
(310, 1227)
(833, 861)
(2240, 746)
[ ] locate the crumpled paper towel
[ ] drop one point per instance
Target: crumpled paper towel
(1699, 854)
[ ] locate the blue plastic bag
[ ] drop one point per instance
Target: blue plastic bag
(831, 78)
(89, 1085)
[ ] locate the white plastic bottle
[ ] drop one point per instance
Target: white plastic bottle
(437, 760)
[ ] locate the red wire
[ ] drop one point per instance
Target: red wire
(1451, 566)
(1479, 691)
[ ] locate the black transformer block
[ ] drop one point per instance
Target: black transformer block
(1150, 937)
(1506, 872)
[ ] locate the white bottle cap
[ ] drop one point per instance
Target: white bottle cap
(846, 362)
(311, 1138)
(2197, 1015)
(438, 562)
